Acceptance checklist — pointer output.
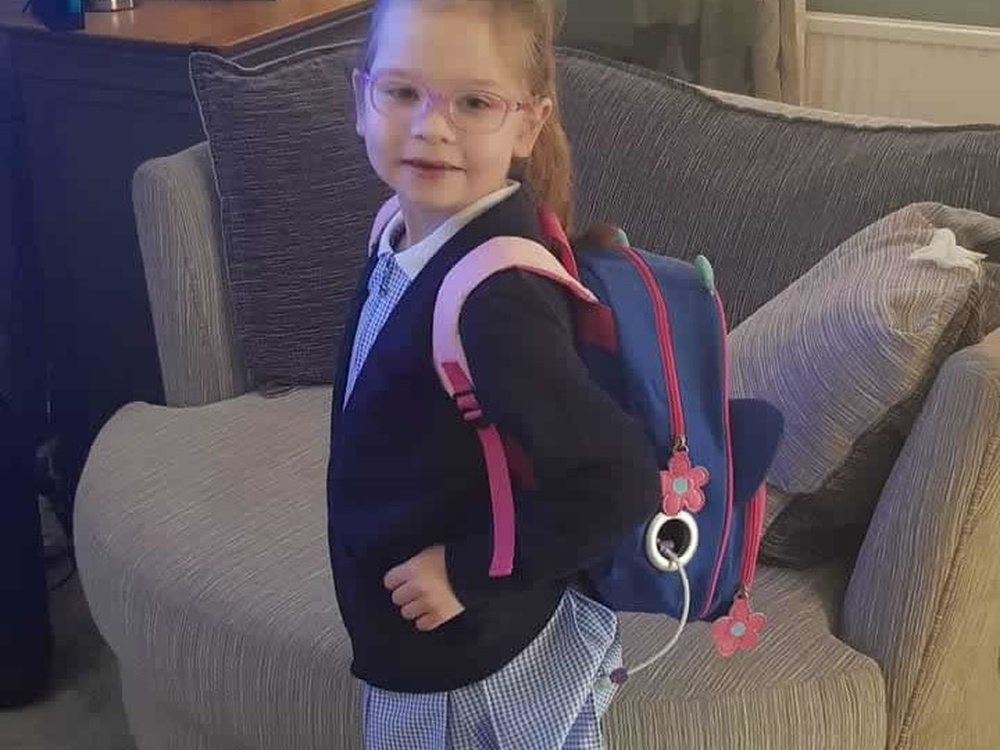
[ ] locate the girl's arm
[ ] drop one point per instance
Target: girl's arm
(594, 468)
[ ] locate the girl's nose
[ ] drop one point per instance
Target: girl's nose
(432, 121)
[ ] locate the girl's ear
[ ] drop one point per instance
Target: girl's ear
(533, 121)
(360, 82)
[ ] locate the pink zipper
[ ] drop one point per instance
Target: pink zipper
(727, 523)
(753, 526)
(755, 509)
(674, 397)
(740, 628)
(751, 538)
(741, 614)
(666, 349)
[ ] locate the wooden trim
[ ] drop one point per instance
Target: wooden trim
(222, 26)
(910, 32)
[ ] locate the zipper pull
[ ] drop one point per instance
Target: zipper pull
(682, 484)
(705, 272)
(740, 629)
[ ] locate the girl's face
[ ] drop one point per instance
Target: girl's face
(433, 150)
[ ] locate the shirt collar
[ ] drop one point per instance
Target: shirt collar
(413, 259)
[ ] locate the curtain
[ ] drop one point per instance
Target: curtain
(779, 50)
(743, 46)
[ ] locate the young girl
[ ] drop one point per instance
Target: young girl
(453, 97)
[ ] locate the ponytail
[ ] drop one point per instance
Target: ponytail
(549, 170)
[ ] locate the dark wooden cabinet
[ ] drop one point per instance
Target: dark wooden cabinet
(96, 104)
(21, 360)
(8, 253)
(8, 170)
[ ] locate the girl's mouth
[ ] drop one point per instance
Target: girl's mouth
(430, 166)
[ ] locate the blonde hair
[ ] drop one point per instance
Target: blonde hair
(549, 169)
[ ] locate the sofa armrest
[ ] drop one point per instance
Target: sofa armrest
(177, 216)
(924, 598)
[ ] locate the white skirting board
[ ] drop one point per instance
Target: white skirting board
(923, 71)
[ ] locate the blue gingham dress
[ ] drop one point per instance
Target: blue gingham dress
(550, 697)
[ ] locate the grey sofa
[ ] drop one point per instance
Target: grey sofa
(201, 544)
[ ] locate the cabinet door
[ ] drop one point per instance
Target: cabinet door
(22, 344)
(99, 326)
(7, 255)
(7, 101)
(92, 115)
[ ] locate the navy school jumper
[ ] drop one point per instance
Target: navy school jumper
(406, 471)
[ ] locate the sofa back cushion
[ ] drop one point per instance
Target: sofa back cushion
(764, 196)
(297, 198)
(848, 353)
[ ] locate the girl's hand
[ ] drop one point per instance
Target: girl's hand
(421, 590)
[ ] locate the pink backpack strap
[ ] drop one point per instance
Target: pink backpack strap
(498, 254)
(389, 209)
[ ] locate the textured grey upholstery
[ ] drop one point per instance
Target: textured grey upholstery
(297, 200)
(177, 214)
(924, 598)
(848, 353)
(205, 564)
(764, 193)
(651, 154)
(200, 531)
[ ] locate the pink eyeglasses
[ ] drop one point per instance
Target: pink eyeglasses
(477, 112)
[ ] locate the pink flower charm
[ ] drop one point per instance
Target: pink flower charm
(739, 629)
(681, 484)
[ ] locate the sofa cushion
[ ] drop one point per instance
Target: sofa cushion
(800, 682)
(924, 597)
(847, 353)
(202, 542)
(763, 195)
(297, 197)
(991, 295)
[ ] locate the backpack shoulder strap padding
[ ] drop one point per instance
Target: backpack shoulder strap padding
(493, 256)
(389, 209)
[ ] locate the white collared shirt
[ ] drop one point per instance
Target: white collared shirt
(413, 259)
(394, 272)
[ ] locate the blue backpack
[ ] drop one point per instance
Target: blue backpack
(652, 331)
